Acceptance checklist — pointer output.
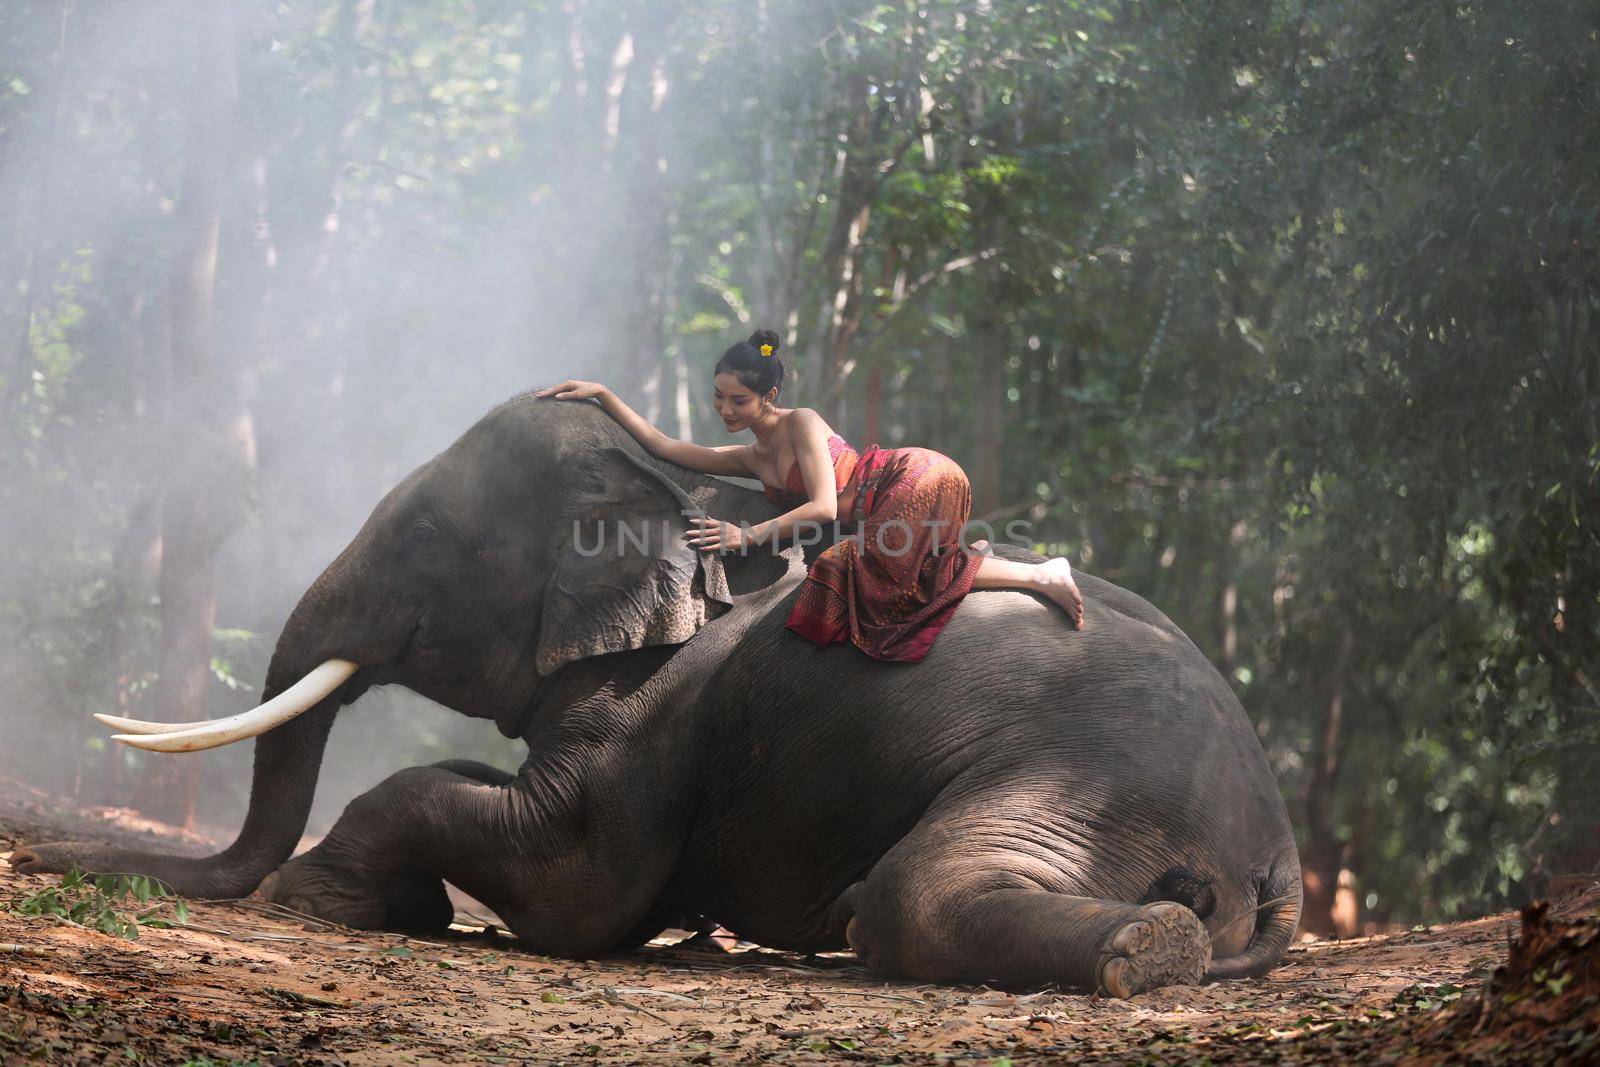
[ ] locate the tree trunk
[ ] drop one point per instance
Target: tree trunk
(769, 298)
(352, 22)
(1228, 568)
(188, 601)
(132, 559)
(1321, 859)
(843, 256)
(989, 392)
(1575, 844)
(872, 426)
(245, 290)
(34, 279)
(640, 163)
(1572, 633)
(944, 420)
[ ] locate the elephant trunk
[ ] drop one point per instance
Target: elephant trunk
(324, 625)
(328, 623)
(288, 760)
(1276, 919)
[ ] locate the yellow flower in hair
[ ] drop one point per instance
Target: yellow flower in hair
(766, 350)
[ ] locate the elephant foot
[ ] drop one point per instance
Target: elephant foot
(858, 945)
(1166, 944)
(400, 900)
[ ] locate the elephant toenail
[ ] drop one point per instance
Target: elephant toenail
(1131, 938)
(1116, 978)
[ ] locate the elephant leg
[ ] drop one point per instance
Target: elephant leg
(935, 911)
(334, 882)
(482, 830)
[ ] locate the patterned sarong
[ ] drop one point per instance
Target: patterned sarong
(892, 586)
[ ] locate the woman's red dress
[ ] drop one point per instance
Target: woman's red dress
(893, 585)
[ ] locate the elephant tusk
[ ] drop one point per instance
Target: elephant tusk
(296, 700)
(139, 726)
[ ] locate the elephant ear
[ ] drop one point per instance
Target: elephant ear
(624, 578)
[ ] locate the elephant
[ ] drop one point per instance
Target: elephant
(1028, 805)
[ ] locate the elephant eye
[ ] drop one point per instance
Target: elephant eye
(425, 548)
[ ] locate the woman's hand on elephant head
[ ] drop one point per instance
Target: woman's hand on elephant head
(572, 389)
(714, 534)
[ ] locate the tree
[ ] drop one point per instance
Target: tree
(194, 437)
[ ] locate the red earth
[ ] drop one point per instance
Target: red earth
(247, 982)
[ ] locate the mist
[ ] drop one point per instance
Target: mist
(424, 210)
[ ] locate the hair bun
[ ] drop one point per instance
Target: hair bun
(765, 342)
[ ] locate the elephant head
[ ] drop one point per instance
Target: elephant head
(543, 536)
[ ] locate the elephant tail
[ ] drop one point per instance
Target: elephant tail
(1277, 916)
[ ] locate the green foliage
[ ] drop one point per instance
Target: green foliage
(113, 904)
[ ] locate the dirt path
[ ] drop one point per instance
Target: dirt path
(241, 983)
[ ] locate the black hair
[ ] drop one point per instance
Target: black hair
(756, 372)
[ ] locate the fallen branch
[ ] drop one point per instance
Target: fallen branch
(636, 991)
(793, 968)
(303, 998)
(610, 996)
(861, 993)
(7, 948)
(267, 907)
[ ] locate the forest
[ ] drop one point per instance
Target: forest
(1281, 314)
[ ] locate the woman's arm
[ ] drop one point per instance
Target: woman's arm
(723, 459)
(816, 467)
(715, 534)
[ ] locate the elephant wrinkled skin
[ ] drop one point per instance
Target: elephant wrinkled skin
(1028, 804)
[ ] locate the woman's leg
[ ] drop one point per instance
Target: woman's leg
(1053, 578)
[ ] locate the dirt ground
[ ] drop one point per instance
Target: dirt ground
(245, 982)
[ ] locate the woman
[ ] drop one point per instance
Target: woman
(893, 586)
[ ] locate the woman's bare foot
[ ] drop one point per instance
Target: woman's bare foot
(1055, 582)
(1053, 578)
